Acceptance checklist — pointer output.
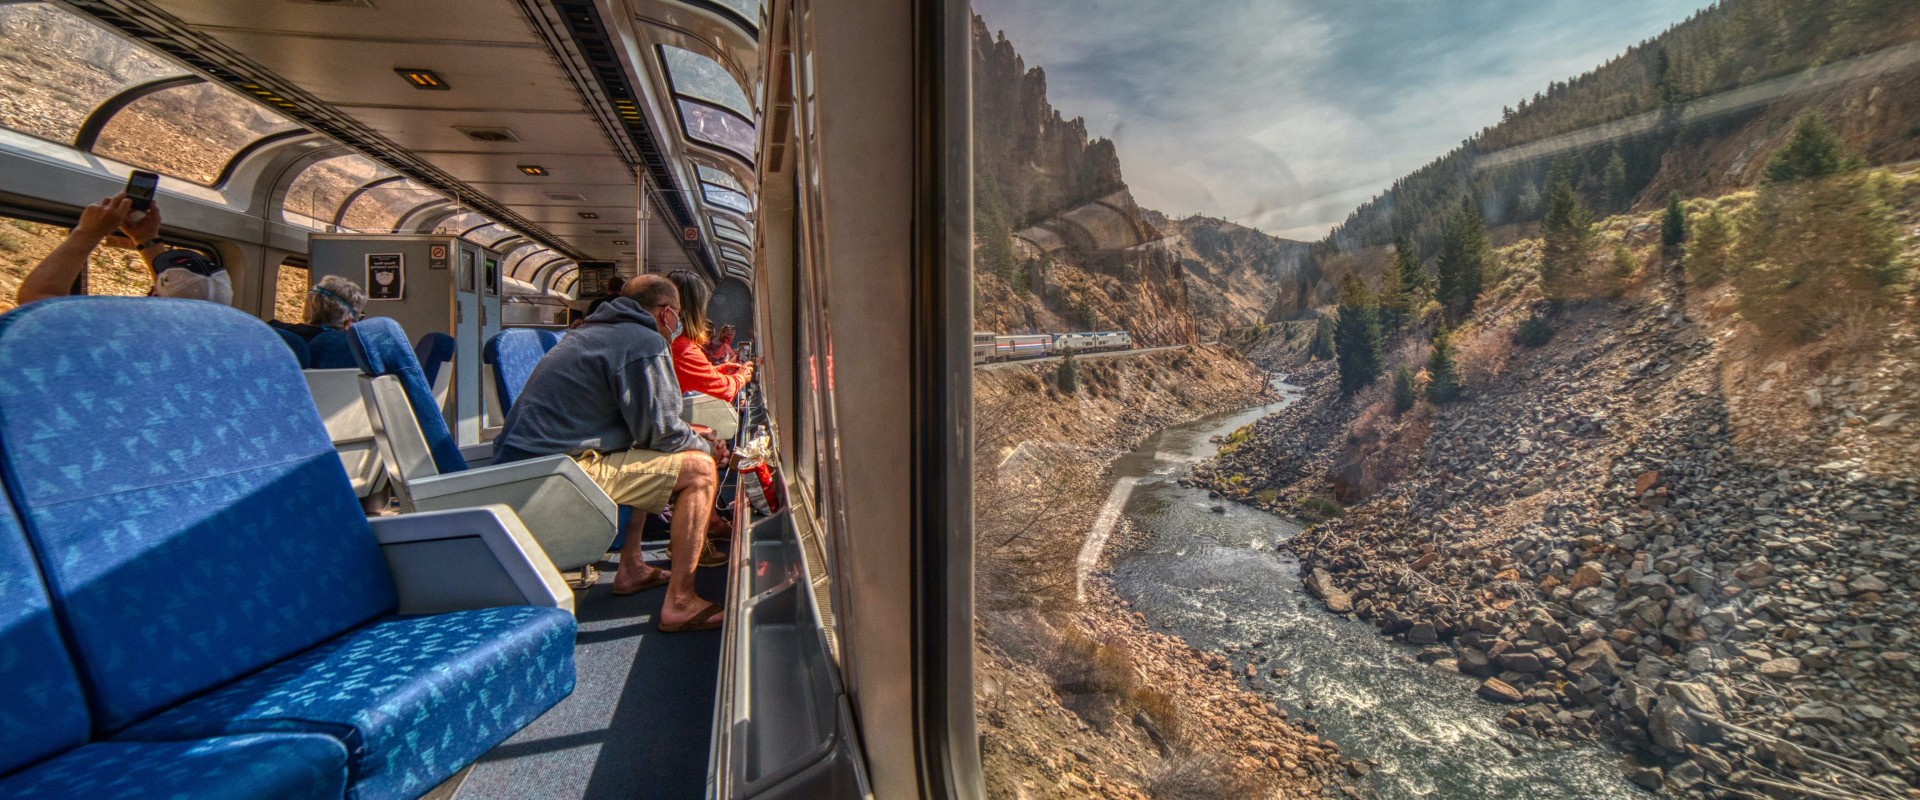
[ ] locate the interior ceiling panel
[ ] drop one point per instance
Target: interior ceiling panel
(431, 129)
(346, 72)
(504, 168)
(416, 19)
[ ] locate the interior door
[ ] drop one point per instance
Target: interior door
(470, 315)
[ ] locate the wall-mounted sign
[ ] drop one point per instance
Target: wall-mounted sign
(690, 234)
(386, 280)
(437, 257)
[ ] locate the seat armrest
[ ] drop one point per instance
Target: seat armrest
(479, 478)
(465, 558)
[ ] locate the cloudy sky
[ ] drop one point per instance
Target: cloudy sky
(1286, 114)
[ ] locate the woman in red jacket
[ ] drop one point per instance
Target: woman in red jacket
(690, 363)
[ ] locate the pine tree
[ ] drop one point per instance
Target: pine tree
(1403, 394)
(1443, 376)
(1392, 297)
(1321, 346)
(1567, 232)
(1613, 183)
(1673, 227)
(1813, 152)
(1462, 261)
(1707, 254)
(1406, 260)
(1356, 337)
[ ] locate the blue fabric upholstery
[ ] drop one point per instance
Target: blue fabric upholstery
(297, 345)
(282, 766)
(513, 354)
(433, 351)
(332, 350)
(190, 515)
(380, 348)
(42, 710)
(548, 338)
(414, 698)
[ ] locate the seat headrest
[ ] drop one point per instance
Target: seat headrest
(297, 345)
(332, 350)
(380, 347)
(432, 351)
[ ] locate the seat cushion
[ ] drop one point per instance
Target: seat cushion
(280, 766)
(513, 355)
(190, 515)
(413, 698)
(42, 710)
(332, 350)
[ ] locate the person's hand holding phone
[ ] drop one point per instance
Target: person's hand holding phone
(99, 220)
(143, 227)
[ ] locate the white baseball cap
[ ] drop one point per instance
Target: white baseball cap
(188, 275)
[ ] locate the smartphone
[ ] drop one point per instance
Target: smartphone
(140, 188)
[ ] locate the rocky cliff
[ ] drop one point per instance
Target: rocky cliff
(1234, 274)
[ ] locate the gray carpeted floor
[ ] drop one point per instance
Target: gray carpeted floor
(639, 720)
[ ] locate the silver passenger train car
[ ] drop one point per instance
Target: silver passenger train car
(988, 346)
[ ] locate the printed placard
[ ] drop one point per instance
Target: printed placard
(386, 280)
(437, 257)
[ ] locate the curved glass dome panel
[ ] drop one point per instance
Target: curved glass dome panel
(318, 190)
(749, 10)
(526, 258)
(698, 76)
(189, 132)
(379, 208)
(492, 235)
(56, 68)
(727, 199)
(719, 177)
(462, 221)
(732, 236)
(723, 225)
(739, 254)
(716, 127)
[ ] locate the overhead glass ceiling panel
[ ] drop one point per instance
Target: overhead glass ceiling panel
(720, 177)
(318, 190)
(748, 10)
(189, 132)
(377, 209)
(526, 259)
(698, 76)
(721, 223)
(713, 126)
(727, 198)
(735, 253)
(731, 236)
(462, 221)
(55, 68)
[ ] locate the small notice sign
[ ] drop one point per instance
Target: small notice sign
(690, 234)
(386, 280)
(437, 257)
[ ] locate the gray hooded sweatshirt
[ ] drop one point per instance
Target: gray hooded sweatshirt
(608, 386)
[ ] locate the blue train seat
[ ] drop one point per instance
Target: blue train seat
(565, 511)
(331, 350)
(301, 352)
(513, 355)
(229, 623)
(435, 351)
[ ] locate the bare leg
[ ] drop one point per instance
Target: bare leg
(634, 571)
(692, 505)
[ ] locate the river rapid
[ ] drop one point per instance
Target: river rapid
(1216, 579)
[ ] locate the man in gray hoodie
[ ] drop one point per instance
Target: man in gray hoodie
(606, 396)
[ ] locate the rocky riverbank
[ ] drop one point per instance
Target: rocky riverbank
(1082, 699)
(1650, 531)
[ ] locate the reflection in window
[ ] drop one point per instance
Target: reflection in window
(748, 10)
(320, 188)
(723, 225)
(719, 177)
(716, 127)
(379, 208)
(55, 68)
(189, 132)
(728, 199)
(730, 236)
(695, 75)
(739, 254)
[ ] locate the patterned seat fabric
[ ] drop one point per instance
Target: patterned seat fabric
(190, 515)
(42, 710)
(380, 348)
(514, 354)
(414, 698)
(298, 345)
(283, 766)
(332, 350)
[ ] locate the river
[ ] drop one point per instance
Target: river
(1216, 580)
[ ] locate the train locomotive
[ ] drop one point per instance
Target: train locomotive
(988, 346)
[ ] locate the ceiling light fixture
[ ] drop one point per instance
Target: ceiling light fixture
(423, 79)
(589, 215)
(533, 169)
(621, 241)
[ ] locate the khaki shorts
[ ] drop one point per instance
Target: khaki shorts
(642, 479)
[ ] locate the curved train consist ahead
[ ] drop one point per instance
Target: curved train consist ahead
(988, 346)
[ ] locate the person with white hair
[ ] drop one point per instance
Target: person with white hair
(333, 304)
(176, 273)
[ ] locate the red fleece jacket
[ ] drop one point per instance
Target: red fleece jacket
(697, 374)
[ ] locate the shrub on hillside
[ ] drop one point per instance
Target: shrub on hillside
(1356, 337)
(1533, 332)
(1443, 375)
(1321, 346)
(1708, 253)
(1067, 375)
(1814, 250)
